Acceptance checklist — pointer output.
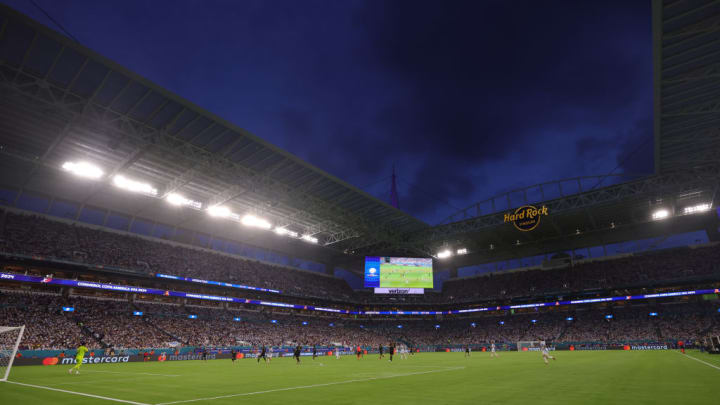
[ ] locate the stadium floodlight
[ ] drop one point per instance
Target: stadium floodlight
(284, 231)
(694, 209)
(68, 309)
(399, 326)
(137, 313)
(534, 321)
(252, 220)
(608, 317)
(177, 199)
(134, 186)
(473, 324)
(83, 169)
(362, 327)
(660, 214)
(304, 323)
(569, 318)
(332, 324)
(309, 238)
(653, 314)
(192, 316)
(462, 251)
(237, 318)
(444, 254)
(273, 321)
(219, 211)
(502, 322)
(437, 326)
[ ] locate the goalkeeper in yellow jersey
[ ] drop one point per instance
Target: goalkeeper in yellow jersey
(79, 356)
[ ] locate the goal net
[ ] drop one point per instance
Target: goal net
(529, 345)
(10, 337)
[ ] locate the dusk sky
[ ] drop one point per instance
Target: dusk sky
(467, 98)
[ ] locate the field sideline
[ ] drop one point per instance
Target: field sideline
(601, 377)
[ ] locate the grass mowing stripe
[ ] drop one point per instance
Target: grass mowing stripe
(117, 372)
(703, 362)
(309, 386)
(77, 393)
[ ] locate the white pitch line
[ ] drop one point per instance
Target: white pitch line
(308, 386)
(703, 362)
(120, 372)
(77, 393)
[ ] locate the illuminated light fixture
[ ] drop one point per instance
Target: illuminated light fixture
(273, 321)
(696, 208)
(534, 321)
(608, 317)
(309, 238)
(362, 327)
(653, 314)
(304, 323)
(332, 324)
(219, 211)
(399, 326)
(237, 318)
(134, 186)
(68, 309)
(283, 231)
(83, 169)
(462, 251)
(444, 254)
(569, 318)
(473, 324)
(192, 316)
(502, 322)
(137, 313)
(660, 214)
(177, 199)
(252, 220)
(437, 326)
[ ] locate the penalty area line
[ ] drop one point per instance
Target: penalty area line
(77, 393)
(308, 386)
(703, 362)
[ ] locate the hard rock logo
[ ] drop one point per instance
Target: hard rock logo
(527, 217)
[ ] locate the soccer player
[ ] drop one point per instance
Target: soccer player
(296, 354)
(314, 352)
(493, 353)
(403, 352)
(467, 350)
(391, 350)
(204, 353)
(545, 353)
(262, 355)
(79, 356)
(233, 355)
(380, 349)
(359, 352)
(270, 354)
(337, 352)
(681, 346)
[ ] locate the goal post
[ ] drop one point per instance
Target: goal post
(10, 337)
(529, 345)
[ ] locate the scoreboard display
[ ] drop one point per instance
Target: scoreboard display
(398, 272)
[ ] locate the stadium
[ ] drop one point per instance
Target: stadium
(153, 252)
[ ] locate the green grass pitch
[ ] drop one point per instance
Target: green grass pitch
(600, 377)
(391, 276)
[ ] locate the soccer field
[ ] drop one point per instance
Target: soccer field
(600, 377)
(391, 276)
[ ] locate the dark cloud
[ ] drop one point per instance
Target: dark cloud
(467, 98)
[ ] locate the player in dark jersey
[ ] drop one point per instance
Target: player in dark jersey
(296, 354)
(467, 350)
(204, 353)
(391, 350)
(262, 355)
(233, 355)
(314, 352)
(380, 349)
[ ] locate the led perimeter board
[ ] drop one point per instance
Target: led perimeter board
(398, 272)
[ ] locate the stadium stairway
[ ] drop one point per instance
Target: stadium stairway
(87, 331)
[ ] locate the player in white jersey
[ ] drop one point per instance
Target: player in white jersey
(403, 352)
(269, 354)
(493, 353)
(545, 352)
(337, 352)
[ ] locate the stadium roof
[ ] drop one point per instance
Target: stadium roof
(686, 41)
(63, 102)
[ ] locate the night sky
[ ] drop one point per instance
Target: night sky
(467, 99)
